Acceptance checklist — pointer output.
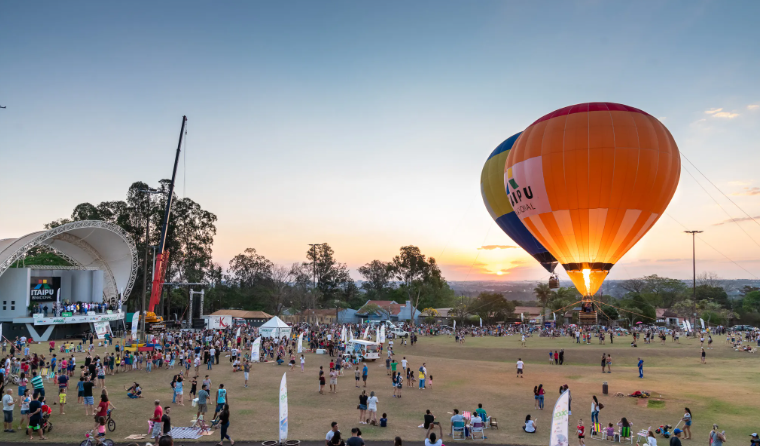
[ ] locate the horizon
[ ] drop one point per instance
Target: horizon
(366, 126)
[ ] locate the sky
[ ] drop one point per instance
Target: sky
(366, 124)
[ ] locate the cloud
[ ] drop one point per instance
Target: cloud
(719, 113)
(492, 247)
(737, 220)
(753, 106)
(749, 191)
(672, 260)
(740, 183)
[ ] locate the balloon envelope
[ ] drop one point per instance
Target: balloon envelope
(588, 181)
(497, 202)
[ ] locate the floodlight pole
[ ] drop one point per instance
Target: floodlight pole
(694, 267)
(314, 268)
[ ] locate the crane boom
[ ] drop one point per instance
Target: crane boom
(162, 257)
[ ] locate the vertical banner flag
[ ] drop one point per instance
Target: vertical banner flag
(283, 409)
(135, 321)
(343, 334)
(455, 325)
(351, 332)
(702, 321)
(481, 321)
(255, 349)
(382, 334)
(522, 319)
(559, 436)
(366, 332)
(238, 332)
(300, 343)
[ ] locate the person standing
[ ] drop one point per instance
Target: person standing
(224, 422)
(372, 407)
(246, 372)
(675, 440)
(423, 375)
(717, 438)
(604, 362)
(202, 401)
(520, 365)
(35, 417)
(687, 423)
(365, 373)
(221, 399)
(8, 404)
(641, 368)
(609, 363)
(594, 410)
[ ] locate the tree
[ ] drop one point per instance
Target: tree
(430, 314)
(250, 269)
(492, 307)
(189, 238)
(416, 275)
(714, 294)
(751, 302)
(543, 294)
(332, 277)
(377, 276)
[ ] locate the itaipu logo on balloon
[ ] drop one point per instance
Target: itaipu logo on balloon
(588, 181)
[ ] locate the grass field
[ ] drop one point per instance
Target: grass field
(480, 371)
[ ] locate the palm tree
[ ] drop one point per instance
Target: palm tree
(543, 295)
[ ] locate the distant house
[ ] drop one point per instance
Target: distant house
(530, 314)
(387, 310)
(668, 317)
(323, 316)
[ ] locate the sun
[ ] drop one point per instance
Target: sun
(499, 273)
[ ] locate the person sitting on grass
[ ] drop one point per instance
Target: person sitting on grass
(134, 391)
(530, 425)
(384, 420)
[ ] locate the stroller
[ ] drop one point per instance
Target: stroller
(47, 425)
(666, 430)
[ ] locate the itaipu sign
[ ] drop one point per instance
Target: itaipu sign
(44, 289)
(40, 319)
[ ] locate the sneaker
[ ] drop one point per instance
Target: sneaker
(10, 431)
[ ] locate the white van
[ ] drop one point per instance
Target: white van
(366, 350)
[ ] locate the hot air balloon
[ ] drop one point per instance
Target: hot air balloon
(588, 181)
(497, 202)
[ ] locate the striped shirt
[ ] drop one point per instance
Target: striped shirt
(37, 382)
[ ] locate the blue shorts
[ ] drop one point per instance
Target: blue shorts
(21, 390)
(89, 401)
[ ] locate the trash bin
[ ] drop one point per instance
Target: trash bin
(605, 388)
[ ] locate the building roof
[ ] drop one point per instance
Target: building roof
(443, 312)
(86, 243)
(388, 305)
(664, 312)
(243, 314)
(529, 311)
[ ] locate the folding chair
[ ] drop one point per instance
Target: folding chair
(642, 435)
(457, 430)
(493, 422)
(621, 437)
(478, 428)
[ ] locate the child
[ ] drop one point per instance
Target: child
(62, 399)
(581, 431)
(610, 432)
(101, 427)
(80, 390)
(430, 382)
(384, 420)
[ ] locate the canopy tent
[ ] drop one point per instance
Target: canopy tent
(274, 328)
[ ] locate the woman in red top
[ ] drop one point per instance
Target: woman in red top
(102, 410)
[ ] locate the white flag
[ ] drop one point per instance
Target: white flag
(555, 316)
(283, 409)
(559, 436)
(343, 335)
(481, 321)
(238, 333)
(522, 318)
(351, 332)
(455, 325)
(381, 335)
(255, 349)
(366, 332)
(135, 321)
(703, 323)
(300, 341)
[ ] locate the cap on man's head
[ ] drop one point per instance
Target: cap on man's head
(754, 435)
(677, 431)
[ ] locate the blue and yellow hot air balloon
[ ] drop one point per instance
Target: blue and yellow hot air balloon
(497, 202)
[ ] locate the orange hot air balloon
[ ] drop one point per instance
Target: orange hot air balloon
(588, 181)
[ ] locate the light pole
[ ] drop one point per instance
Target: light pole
(694, 267)
(314, 268)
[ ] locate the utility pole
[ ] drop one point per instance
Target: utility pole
(694, 267)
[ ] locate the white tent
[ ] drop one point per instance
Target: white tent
(274, 328)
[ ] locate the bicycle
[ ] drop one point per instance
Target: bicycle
(93, 440)
(110, 422)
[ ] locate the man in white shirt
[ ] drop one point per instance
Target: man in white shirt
(520, 366)
(8, 403)
(403, 363)
(331, 433)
